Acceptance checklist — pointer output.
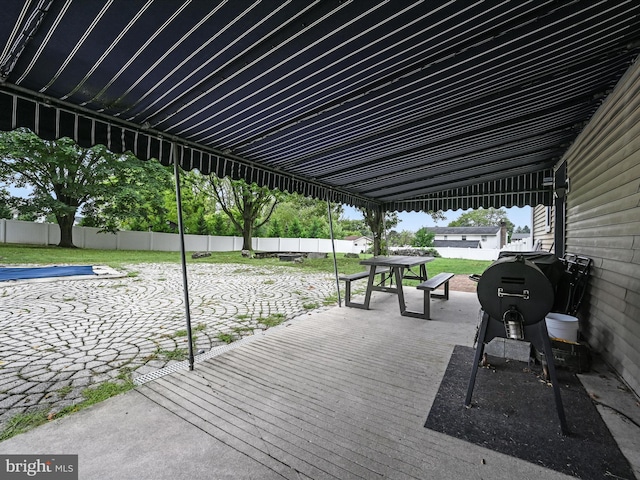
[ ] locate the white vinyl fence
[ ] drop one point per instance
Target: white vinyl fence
(15, 231)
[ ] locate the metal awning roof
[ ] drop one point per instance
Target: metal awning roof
(412, 105)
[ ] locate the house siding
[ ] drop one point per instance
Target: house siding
(491, 235)
(542, 236)
(603, 223)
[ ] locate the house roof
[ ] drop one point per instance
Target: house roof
(457, 243)
(464, 230)
(408, 105)
(357, 237)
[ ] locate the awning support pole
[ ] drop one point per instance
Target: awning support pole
(333, 247)
(185, 284)
(384, 233)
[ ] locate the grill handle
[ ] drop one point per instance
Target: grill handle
(524, 294)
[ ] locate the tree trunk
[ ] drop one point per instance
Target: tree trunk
(65, 222)
(248, 218)
(377, 243)
(246, 239)
(375, 221)
(247, 231)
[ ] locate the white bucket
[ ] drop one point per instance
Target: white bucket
(562, 326)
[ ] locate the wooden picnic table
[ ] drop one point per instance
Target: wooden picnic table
(400, 268)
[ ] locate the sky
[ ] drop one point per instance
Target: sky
(413, 221)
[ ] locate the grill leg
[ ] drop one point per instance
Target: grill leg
(479, 350)
(536, 334)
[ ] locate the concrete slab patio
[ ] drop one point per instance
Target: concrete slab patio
(341, 393)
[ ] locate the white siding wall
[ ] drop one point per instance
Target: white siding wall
(492, 241)
(543, 227)
(603, 222)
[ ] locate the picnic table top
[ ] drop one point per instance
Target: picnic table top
(404, 261)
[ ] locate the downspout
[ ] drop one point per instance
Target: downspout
(333, 248)
(185, 286)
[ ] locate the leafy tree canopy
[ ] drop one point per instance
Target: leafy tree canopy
(64, 177)
(143, 198)
(247, 205)
(524, 229)
(377, 220)
(481, 217)
(424, 238)
(5, 207)
(400, 239)
(297, 216)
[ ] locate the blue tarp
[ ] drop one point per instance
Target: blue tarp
(44, 272)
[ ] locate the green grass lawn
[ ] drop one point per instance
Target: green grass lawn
(40, 255)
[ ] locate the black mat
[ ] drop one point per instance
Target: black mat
(513, 412)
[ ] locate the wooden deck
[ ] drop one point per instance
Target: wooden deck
(340, 394)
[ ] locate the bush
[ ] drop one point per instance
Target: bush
(418, 252)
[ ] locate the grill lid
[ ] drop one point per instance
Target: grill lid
(513, 287)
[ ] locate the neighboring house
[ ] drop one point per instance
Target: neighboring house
(470, 237)
(518, 237)
(595, 214)
(360, 244)
(520, 242)
(457, 243)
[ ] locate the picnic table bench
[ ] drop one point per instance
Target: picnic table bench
(428, 287)
(358, 276)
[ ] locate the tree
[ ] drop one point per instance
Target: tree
(294, 230)
(354, 227)
(65, 177)
(5, 208)
(219, 224)
(298, 216)
(424, 238)
(144, 198)
(393, 237)
(315, 229)
(248, 206)
(377, 220)
(483, 218)
(405, 238)
(374, 220)
(275, 231)
(201, 224)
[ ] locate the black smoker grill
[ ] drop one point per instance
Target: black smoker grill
(516, 296)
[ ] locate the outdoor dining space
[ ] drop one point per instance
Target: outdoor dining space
(340, 393)
(392, 271)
